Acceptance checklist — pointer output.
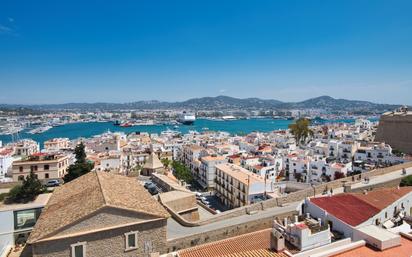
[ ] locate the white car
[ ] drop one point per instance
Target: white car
(204, 201)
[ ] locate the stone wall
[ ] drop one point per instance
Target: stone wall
(151, 238)
(396, 130)
(297, 196)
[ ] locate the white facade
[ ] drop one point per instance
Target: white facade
(6, 162)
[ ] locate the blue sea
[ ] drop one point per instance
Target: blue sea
(89, 129)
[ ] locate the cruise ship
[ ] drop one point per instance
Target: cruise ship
(186, 118)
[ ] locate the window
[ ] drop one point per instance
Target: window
(46, 175)
(79, 249)
(21, 168)
(131, 240)
(26, 218)
(46, 167)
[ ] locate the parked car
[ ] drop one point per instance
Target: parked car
(152, 189)
(204, 201)
(53, 183)
(148, 184)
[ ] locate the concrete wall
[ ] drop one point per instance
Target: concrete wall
(375, 242)
(6, 232)
(151, 238)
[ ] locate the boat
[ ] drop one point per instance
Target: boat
(169, 132)
(116, 123)
(228, 117)
(126, 124)
(186, 118)
(39, 130)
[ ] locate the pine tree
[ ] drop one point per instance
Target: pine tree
(81, 166)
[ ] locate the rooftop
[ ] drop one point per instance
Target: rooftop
(381, 198)
(404, 250)
(241, 174)
(213, 158)
(39, 202)
(250, 244)
(347, 208)
(87, 194)
(355, 208)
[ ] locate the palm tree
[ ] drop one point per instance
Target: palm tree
(300, 130)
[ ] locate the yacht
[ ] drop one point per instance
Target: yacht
(39, 130)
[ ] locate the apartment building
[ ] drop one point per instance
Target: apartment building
(56, 144)
(26, 147)
(236, 186)
(207, 170)
(45, 166)
(375, 154)
(190, 157)
(6, 161)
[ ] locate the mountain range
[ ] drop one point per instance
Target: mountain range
(223, 103)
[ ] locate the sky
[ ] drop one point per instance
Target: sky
(123, 51)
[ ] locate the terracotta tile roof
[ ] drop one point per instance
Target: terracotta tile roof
(347, 208)
(256, 253)
(89, 193)
(235, 246)
(381, 198)
(355, 208)
(403, 250)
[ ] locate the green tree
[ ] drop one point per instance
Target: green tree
(406, 181)
(300, 130)
(81, 165)
(28, 191)
(182, 172)
(80, 153)
(166, 162)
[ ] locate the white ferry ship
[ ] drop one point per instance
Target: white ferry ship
(186, 118)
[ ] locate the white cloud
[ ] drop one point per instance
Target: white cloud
(222, 90)
(10, 19)
(5, 29)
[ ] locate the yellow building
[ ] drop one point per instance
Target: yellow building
(236, 186)
(45, 166)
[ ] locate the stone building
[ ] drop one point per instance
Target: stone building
(395, 129)
(100, 214)
(152, 165)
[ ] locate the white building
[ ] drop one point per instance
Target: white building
(347, 212)
(207, 170)
(17, 221)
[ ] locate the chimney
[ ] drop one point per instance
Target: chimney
(365, 192)
(296, 219)
(277, 241)
(285, 221)
(320, 221)
(307, 215)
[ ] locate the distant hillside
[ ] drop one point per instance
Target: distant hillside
(330, 103)
(223, 103)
